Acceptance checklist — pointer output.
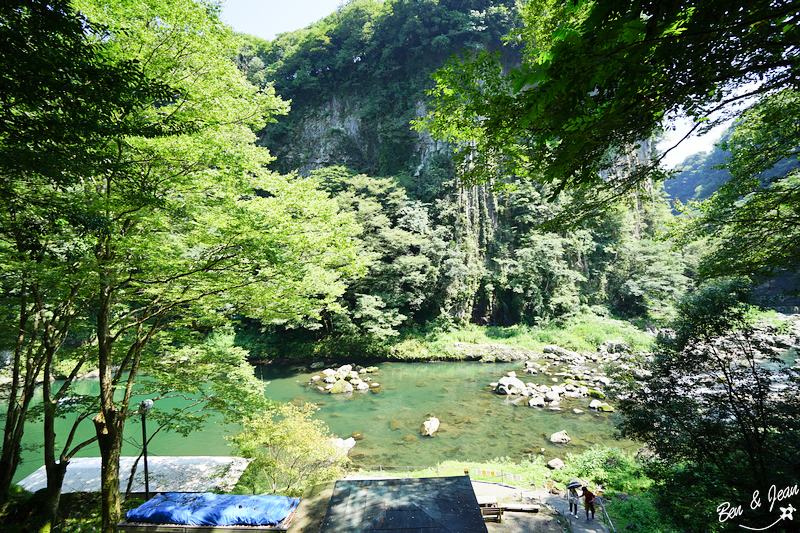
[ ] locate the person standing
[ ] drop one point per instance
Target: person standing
(588, 501)
(573, 498)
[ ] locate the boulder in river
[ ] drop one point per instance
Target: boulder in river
(510, 385)
(341, 386)
(551, 396)
(345, 445)
(562, 437)
(430, 426)
(536, 401)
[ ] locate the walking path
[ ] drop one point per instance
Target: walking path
(558, 503)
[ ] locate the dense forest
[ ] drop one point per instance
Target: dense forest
(179, 200)
(441, 254)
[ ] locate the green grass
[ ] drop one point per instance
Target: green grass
(601, 467)
(580, 333)
(583, 332)
(79, 512)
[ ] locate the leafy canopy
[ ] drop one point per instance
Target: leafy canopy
(752, 219)
(600, 78)
(290, 448)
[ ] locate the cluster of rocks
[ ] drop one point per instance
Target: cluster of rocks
(574, 386)
(346, 378)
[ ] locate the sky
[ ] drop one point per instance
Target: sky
(692, 145)
(267, 18)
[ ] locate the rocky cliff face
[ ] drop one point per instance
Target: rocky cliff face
(344, 130)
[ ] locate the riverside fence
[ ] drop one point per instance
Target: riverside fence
(475, 471)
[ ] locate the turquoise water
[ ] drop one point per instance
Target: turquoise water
(476, 424)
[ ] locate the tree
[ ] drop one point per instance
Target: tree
(717, 402)
(752, 220)
(64, 95)
(599, 80)
(180, 230)
(293, 451)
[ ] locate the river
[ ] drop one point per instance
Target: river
(476, 424)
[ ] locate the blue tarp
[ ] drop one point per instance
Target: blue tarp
(207, 509)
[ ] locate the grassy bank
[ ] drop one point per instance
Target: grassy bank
(617, 475)
(579, 333)
(80, 513)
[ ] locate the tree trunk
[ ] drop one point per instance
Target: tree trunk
(55, 480)
(109, 438)
(55, 469)
(9, 458)
(21, 389)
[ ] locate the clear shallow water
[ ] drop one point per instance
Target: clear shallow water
(476, 424)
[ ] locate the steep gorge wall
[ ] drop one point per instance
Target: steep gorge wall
(344, 130)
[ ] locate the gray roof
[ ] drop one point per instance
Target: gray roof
(424, 505)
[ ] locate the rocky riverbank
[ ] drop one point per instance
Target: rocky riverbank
(560, 380)
(344, 379)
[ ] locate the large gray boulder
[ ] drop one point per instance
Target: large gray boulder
(510, 385)
(562, 437)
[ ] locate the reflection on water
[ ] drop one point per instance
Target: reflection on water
(476, 424)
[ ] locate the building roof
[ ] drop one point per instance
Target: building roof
(408, 505)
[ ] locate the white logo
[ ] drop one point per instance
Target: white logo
(726, 511)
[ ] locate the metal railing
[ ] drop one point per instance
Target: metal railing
(475, 471)
(608, 518)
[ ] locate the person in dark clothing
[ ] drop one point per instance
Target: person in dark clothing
(588, 501)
